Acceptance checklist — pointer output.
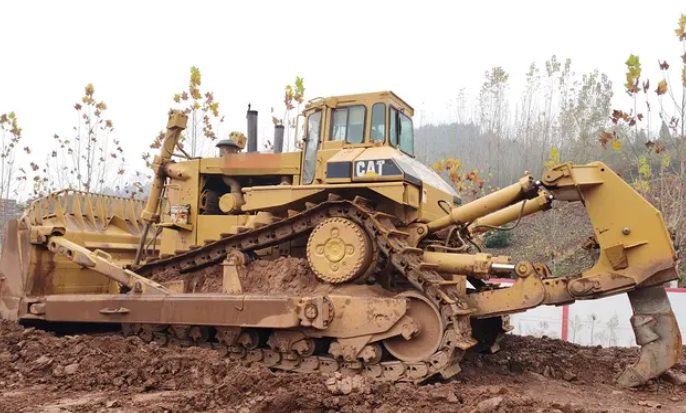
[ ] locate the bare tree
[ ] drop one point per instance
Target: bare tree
(592, 318)
(88, 159)
(203, 116)
(293, 93)
(540, 330)
(493, 115)
(12, 177)
(612, 325)
(656, 164)
(204, 121)
(576, 325)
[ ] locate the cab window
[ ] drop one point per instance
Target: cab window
(378, 132)
(401, 132)
(406, 134)
(348, 124)
(314, 122)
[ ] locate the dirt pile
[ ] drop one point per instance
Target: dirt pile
(106, 372)
(282, 275)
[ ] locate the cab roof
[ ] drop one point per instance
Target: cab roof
(382, 96)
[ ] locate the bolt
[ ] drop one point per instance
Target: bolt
(408, 331)
(421, 230)
(311, 311)
(626, 231)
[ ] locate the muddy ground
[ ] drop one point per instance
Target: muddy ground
(105, 372)
(46, 372)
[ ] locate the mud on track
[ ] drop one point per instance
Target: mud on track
(284, 275)
(44, 372)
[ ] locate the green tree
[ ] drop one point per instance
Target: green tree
(497, 239)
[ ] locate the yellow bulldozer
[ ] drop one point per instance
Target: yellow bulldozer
(411, 291)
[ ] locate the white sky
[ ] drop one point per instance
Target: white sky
(138, 53)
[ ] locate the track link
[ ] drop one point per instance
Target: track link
(390, 241)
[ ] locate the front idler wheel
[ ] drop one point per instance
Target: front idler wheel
(426, 342)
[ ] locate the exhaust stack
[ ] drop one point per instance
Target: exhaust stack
(252, 130)
(278, 138)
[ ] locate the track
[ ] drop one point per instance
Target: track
(431, 289)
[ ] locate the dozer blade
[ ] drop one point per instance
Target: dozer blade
(13, 270)
(656, 332)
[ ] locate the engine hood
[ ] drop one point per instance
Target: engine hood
(383, 164)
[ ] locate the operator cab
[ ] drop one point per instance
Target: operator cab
(354, 123)
(364, 120)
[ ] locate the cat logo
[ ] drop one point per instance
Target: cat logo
(363, 168)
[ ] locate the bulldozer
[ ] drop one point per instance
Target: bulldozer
(411, 291)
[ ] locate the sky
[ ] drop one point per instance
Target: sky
(137, 54)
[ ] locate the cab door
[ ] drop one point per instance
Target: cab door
(313, 137)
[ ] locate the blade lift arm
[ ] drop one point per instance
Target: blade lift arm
(175, 125)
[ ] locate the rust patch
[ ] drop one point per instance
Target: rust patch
(40, 273)
(617, 257)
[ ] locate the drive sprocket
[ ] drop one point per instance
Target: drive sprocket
(339, 250)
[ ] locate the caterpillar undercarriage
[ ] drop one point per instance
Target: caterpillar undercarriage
(408, 295)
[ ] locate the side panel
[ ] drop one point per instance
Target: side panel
(180, 192)
(429, 206)
(376, 164)
(284, 196)
(339, 167)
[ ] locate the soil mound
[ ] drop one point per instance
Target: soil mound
(44, 372)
